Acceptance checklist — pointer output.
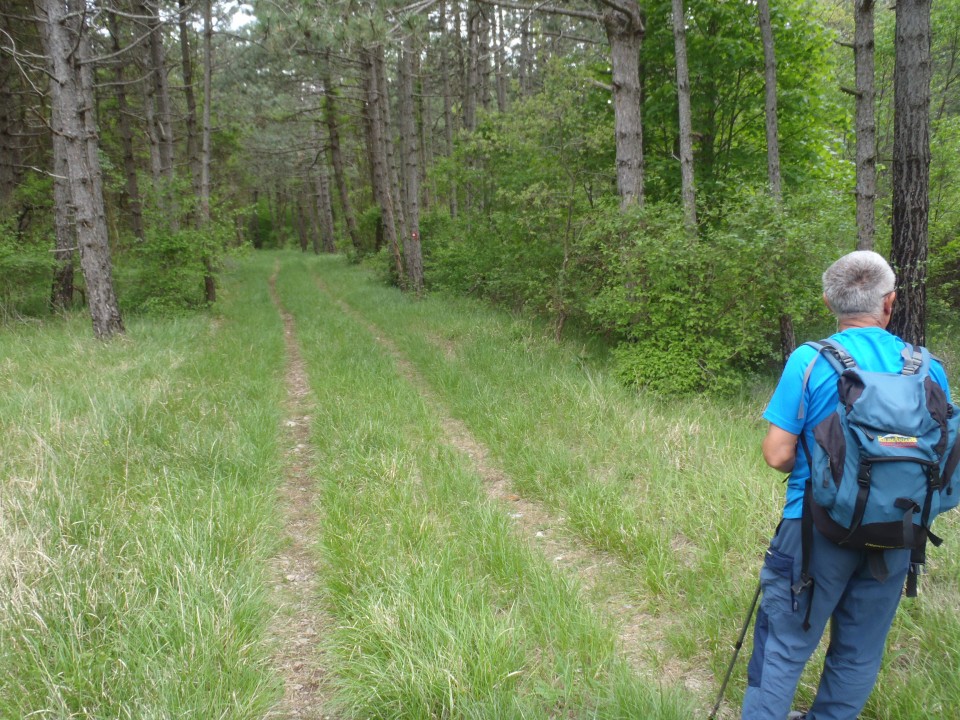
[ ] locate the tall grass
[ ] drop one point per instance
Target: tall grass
(443, 611)
(676, 489)
(135, 514)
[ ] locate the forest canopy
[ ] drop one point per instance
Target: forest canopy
(671, 176)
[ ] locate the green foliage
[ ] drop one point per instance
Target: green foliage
(725, 56)
(701, 314)
(165, 273)
(26, 241)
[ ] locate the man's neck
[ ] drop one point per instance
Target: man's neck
(858, 321)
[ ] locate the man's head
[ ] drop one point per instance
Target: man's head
(860, 285)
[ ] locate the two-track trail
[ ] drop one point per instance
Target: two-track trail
(641, 634)
(299, 623)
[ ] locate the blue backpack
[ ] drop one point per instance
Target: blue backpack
(884, 463)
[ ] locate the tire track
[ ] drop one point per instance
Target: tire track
(299, 625)
(640, 634)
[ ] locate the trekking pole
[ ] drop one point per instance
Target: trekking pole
(736, 652)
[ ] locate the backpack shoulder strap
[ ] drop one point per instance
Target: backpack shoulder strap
(835, 354)
(915, 360)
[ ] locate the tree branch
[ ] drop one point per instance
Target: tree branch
(569, 12)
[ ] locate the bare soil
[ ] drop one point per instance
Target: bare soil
(300, 622)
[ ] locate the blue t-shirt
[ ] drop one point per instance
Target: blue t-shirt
(874, 349)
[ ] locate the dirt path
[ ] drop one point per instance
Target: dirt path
(641, 637)
(299, 624)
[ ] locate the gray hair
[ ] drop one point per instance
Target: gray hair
(857, 283)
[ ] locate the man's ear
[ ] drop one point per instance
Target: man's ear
(824, 296)
(888, 301)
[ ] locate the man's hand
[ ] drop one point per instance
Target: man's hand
(780, 449)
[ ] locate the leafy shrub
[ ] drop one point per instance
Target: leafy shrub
(701, 313)
(26, 243)
(165, 273)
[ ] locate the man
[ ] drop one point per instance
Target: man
(859, 289)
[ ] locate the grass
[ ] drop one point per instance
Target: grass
(442, 610)
(676, 489)
(137, 515)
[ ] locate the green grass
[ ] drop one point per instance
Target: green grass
(137, 499)
(442, 610)
(676, 489)
(137, 516)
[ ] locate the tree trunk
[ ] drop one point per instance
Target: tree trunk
(625, 32)
(866, 125)
(484, 57)
(63, 33)
(132, 183)
(186, 63)
(447, 102)
(412, 253)
(65, 236)
(911, 168)
(501, 62)
(336, 155)
(393, 175)
(686, 130)
(377, 148)
(788, 341)
(523, 61)
(10, 128)
(161, 88)
(471, 90)
(770, 104)
(209, 276)
(325, 210)
(300, 211)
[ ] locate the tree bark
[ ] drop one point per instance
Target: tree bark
(471, 91)
(866, 161)
(447, 101)
(131, 181)
(186, 64)
(393, 174)
(501, 62)
(523, 60)
(624, 28)
(325, 210)
(412, 253)
(10, 128)
(64, 35)
(209, 276)
(336, 155)
(770, 102)
(911, 168)
(65, 236)
(161, 88)
(686, 130)
(378, 158)
(205, 138)
(301, 211)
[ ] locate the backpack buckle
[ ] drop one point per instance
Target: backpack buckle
(802, 584)
(934, 477)
(863, 473)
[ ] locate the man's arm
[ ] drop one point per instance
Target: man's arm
(780, 449)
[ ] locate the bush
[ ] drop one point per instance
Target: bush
(26, 244)
(702, 313)
(165, 273)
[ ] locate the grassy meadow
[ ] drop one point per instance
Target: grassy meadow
(138, 512)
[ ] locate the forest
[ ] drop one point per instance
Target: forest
(627, 168)
(405, 358)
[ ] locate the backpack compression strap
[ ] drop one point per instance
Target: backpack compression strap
(914, 360)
